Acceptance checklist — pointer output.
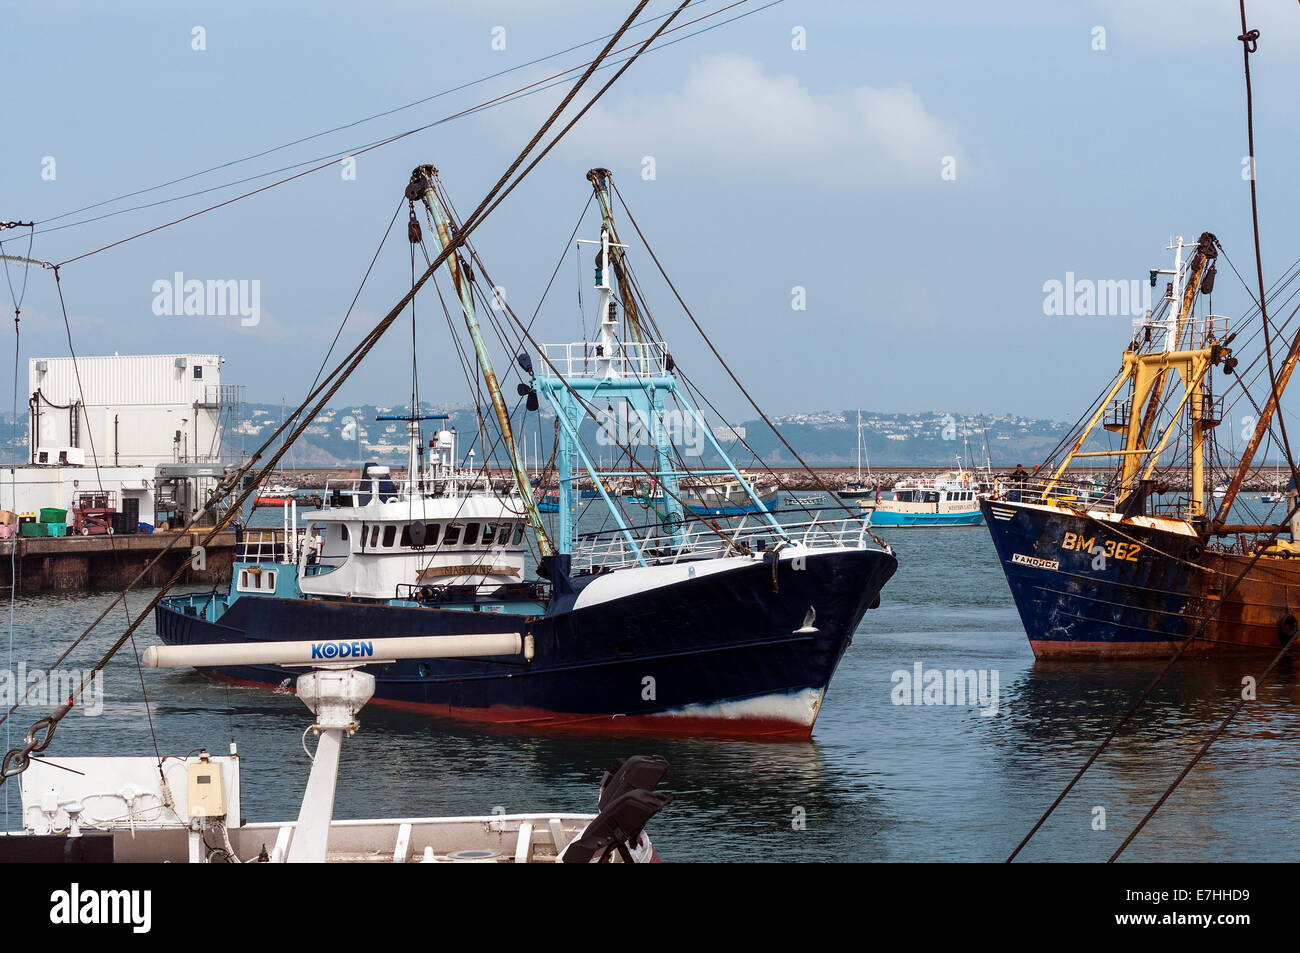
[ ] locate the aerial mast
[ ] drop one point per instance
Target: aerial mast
(422, 187)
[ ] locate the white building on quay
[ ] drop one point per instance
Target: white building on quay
(146, 428)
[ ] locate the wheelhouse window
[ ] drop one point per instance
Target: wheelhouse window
(250, 581)
(489, 534)
(471, 534)
(452, 536)
(343, 532)
(519, 533)
(374, 536)
(390, 536)
(431, 531)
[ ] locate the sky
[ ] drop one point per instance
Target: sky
(912, 174)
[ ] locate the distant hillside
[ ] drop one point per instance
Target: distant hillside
(350, 435)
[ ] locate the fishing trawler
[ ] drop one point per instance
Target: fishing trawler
(691, 624)
(1157, 561)
(949, 499)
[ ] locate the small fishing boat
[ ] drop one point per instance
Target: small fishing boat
(816, 500)
(949, 499)
(728, 496)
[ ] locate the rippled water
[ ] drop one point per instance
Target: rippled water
(879, 781)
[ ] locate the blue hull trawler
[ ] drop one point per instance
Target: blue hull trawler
(688, 624)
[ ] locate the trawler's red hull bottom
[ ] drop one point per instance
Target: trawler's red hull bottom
(1101, 650)
(775, 718)
(1088, 588)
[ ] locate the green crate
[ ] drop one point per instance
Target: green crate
(31, 529)
(56, 529)
(51, 514)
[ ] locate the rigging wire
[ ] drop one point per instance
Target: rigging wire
(329, 160)
(730, 373)
(1249, 43)
(16, 760)
(1248, 39)
(354, 123)
(17, 298)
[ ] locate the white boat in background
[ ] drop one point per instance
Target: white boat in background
(1276, 495)
(949, 499)
(858, 487)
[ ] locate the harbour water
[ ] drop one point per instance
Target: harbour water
(879, 781)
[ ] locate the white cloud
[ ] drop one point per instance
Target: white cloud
(732, 114)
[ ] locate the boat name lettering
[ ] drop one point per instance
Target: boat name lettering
(1113, 549)
(1035, 561)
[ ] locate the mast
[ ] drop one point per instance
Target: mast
(422, 187)
(601, 180)
(1146, 371)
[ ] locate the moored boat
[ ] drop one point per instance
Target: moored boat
(1143, 571)
(949, 499)
(688, 625)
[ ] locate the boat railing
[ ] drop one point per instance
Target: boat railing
(1044, 491)
(263, 546)
(583, 358)
(611, 550)
(348, 493)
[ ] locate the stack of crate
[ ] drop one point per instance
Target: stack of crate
(8, 521)
(55, 521)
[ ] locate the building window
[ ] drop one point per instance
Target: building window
(198, 372)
